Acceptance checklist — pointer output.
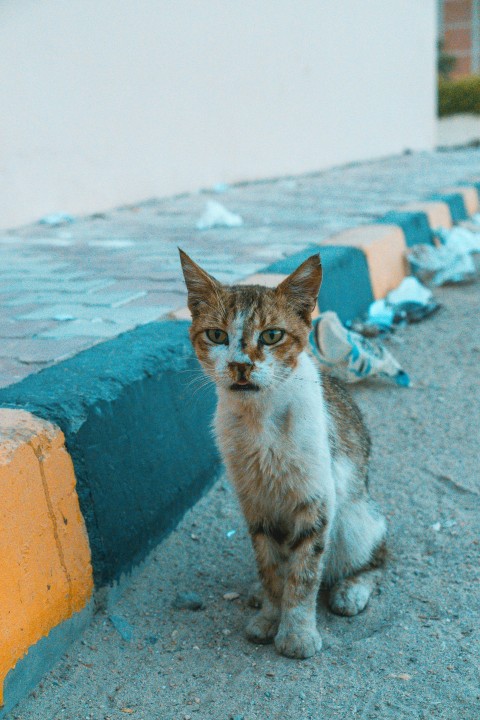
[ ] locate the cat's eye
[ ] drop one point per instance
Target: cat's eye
(219, 337)
(271, 336)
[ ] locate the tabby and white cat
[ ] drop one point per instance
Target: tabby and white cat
(296, 449)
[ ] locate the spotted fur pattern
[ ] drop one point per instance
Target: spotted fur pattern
(296, 449)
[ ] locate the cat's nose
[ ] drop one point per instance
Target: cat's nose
(240, 371)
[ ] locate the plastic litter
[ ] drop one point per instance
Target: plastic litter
(442, 264)
(381, 315)
(410, 302)
(57, 219)
(472, 224)
(350, 356)
(410, 290)
(451, 262)
(460, 239)
(216, 215)
(220, 188)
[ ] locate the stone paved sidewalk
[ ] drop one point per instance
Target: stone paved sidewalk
(68, 287)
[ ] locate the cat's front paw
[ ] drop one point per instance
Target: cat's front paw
(301, 644)
(262, 629)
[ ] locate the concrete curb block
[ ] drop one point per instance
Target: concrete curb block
(337, 292)
(45, 556)
(133, 418)
(384, 247)
(415, 226)
(455, 202)
(469, 194)
(42, 656)
(132, 422)
(437, 212)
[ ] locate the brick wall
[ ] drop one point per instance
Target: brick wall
(460, 29)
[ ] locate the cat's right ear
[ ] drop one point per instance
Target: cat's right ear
(200, 285)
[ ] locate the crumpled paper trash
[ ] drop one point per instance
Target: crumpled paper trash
(216, 215)
(350, 356)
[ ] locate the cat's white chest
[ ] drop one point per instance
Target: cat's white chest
(281, 444)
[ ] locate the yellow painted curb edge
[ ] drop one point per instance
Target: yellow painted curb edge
(45, 566)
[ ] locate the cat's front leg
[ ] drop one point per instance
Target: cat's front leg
(297, 635)
(263, 627)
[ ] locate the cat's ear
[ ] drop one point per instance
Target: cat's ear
(201, 286)
(302, 286)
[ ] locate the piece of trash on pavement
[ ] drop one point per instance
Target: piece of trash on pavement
(230, 533)
(188, 601)
(460, 238)
(231, 596)
(381, 315)
(350, 356)
(216, 215)
(56, 219)
(220, 188)
(409, 290)
(122, 626)
(441, 264)
(411, 301)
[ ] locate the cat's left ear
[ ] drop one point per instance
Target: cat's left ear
(200, 285)
(302, 286)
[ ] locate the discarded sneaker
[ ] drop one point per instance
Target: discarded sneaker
(350, 356)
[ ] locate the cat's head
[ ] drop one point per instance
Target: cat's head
(247, 337)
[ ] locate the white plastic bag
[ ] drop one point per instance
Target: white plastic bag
(216, 215)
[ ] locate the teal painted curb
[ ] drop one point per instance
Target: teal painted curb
(139, 435)
(456, 204)
(41, 658)
(346, 287)
(415, 226)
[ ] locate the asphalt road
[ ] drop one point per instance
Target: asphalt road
(412, 654)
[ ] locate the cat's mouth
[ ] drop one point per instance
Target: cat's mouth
(244, 385)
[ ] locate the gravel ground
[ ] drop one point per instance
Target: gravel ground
(412, 654)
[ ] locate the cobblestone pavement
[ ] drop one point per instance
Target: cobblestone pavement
(65, 288)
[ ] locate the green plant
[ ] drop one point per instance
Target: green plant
(445, 62)
(459, 96)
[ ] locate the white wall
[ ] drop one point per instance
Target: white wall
(105, 102)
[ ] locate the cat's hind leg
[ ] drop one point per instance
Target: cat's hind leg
(356, 558)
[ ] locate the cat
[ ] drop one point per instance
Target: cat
(296, 449)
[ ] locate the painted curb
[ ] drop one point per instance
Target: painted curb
(45, 556)
(133, 423)
(42, 657)
(384, 248)
(337, 292)
(456, 204)
(437, 212)
(469, 194)
(415, 226)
